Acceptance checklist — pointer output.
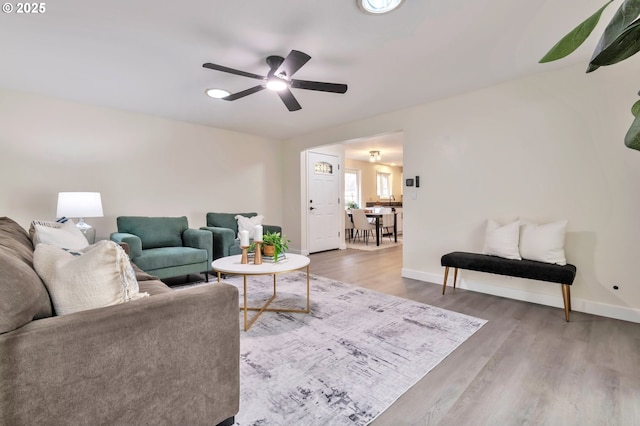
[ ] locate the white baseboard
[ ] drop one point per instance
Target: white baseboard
(579, 305)
(302, 252)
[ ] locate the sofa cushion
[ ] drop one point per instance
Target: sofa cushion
(65, 235)
(154, 231)
(23, 296)
(101, 275)
(226, 220)
(167, 257)
(249, 224)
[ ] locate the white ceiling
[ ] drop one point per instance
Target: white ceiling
(390, 146)
(147, 55)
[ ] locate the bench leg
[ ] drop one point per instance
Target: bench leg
(455, 277)
(566, 297)
(446, 275)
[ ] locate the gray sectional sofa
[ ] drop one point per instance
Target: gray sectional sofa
(168, 359)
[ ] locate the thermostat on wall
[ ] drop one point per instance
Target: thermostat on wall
(409, 182)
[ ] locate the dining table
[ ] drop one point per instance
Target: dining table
(378, 218)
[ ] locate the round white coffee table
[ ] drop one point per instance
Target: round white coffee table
(232, 265)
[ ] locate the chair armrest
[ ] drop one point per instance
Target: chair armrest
(200, 239)
(223, 240)
(272, 229)
(134, 242)
(151, 358)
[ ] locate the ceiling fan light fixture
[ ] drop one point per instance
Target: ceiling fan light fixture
(377, 7)
(276, 84)
(217, 93)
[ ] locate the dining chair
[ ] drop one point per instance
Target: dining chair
(348, 225)
(387, 222)
(360, 223)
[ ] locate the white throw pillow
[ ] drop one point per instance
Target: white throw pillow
(100, 275)
(502, 241)
(64, 235)
(544, 243)
(249, 224)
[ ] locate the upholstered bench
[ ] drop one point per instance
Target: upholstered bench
(561, 274)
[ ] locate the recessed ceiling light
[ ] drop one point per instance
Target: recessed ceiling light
(377, 7)
(217, 93)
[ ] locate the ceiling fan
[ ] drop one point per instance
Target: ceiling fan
(279, 79)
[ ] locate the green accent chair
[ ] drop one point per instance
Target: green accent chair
(224, 228)
(165, 246)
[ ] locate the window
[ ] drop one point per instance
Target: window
(323, 168)
(383, 185)
(351, 188)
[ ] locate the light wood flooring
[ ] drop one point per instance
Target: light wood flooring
(526, 366)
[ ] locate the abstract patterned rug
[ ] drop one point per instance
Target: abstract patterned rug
(344, 363)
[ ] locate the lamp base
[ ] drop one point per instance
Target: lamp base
(84, 226)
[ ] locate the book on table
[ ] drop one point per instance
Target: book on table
(281, 258)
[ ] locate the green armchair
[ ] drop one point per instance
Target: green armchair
(224, 229)
(165, 246)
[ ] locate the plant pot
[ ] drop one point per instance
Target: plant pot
(268, 250)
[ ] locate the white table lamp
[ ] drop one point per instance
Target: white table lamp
(80, 205)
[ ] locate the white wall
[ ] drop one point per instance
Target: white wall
(544, 148)
(142, 165)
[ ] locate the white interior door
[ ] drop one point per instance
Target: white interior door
(323, 202)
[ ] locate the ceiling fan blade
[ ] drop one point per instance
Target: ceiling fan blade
(244, 93)
(292, 63)
(320, 86)
(289, 100)
(232, 71)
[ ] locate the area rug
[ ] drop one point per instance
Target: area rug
(344, 363)
(359, 244)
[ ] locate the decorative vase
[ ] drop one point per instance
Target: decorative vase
(268, 250)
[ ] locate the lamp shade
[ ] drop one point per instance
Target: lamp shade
(79, 204)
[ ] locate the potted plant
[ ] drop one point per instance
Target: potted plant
(352, 205)
(619, 41)
(274, 244)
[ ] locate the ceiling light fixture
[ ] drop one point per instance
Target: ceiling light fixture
(377, 7)
(217, 93)
(374, 156)
(276, 84)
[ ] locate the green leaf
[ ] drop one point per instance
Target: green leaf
(627, 44)
(575, 38)
(635, 109)
(632, 138)
(626, 14)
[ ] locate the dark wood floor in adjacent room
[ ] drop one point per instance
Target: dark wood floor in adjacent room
(525, 366)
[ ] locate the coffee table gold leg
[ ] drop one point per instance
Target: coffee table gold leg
(265, 307)
(308, 291)
(218, 277)
(246, 327)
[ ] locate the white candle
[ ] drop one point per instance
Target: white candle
(257, 233)
(244, 238)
